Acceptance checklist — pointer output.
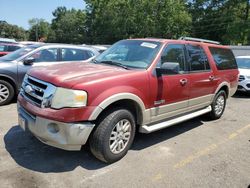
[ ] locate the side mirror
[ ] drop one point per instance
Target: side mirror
(169, 68)
(29, 61)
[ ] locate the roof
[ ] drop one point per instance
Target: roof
(243, 57)
(60, 45)
(11, 44)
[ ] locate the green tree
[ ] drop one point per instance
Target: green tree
(12, 31)
(225, 21)
(68, 26)
(39, 29)
(112, 20)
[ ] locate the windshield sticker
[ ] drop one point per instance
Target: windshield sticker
(148, 45)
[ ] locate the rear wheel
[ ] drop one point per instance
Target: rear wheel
(6, 92)
(218, 105)
(113, 136)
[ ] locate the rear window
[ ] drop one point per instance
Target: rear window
(13, 48)
(223, 58)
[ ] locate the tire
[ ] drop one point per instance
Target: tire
(218, 105)
(7, 92)
(115, 127)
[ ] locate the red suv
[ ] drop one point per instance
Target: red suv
(138, 84)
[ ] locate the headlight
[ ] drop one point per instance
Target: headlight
(69, 98)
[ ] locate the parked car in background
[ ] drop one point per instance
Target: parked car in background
(29, 42)
(14, 66)
(6, 48)
(7, 40)
(244, 68)
(101, 48)
(136, 85)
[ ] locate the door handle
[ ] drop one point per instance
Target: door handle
(211, 78)
(183, 81)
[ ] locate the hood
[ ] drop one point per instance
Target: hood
(244, 72)
(69, 74)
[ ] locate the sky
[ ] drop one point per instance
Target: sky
(18, 12)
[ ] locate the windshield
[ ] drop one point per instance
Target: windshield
(131, 53)
(18, 53)
(243, 63)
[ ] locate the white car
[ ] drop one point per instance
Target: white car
(244, 68)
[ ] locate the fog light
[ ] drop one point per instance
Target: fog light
(53, 128)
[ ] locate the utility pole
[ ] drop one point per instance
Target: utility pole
(36, 30)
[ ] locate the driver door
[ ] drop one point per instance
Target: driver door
(172, 94)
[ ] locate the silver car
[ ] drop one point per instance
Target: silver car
(14, 66)
(244, 68)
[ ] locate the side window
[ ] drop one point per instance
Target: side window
(197, 58)
(223, 58)
(2, 48)
(90, 53)
(173, 54)
(46, 55)
(70, 54)
(13, 48)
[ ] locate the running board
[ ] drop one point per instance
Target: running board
(158, 126)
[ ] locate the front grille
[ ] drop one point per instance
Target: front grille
(36, 91)
(241, 78)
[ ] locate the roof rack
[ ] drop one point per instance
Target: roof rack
(154, 38)
(199, 40)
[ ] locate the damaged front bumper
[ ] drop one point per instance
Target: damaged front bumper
(67, 136)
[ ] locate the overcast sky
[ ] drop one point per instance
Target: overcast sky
(18, 12)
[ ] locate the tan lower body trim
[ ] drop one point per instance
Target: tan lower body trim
(171, 110)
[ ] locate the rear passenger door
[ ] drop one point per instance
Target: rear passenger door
(201, 77)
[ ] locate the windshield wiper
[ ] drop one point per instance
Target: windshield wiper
(114, 63)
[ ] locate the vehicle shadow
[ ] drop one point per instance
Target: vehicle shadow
(242, 95)
(30, 153)
(143, 141)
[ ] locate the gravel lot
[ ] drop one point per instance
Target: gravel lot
(197, 153)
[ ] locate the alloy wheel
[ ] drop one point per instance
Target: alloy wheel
(120, 136)
(4, 92)
(219, 105)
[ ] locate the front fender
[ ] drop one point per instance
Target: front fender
(120, 93)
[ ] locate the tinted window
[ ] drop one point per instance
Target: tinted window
(18, 53)
(197, 58)
(69, 54)
(13, 48)
(46, 55)
(223, 58)
(174, 54)
(2, 48)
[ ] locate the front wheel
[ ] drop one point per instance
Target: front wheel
(113, 136)
(218, 105)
